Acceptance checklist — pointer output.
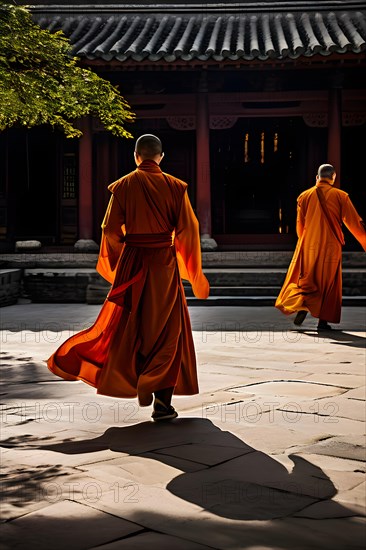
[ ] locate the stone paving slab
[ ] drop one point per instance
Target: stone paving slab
(66, 524)
(330, 510)
(270, 454)
(154, 540)
(350, 447)
(357, 393)
(147, 469)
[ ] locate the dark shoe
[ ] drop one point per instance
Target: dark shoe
(323, 325)
(300, 317)
(163, 412)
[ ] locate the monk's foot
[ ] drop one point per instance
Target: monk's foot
(145, 399)
(323, 325)
(300, 317)
(162, 411)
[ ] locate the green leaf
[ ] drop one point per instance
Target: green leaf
(41, 83)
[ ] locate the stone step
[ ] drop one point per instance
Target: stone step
(57, 285)
(354, 279)
(258, 291)
(217, 259)
(234, 286)
(237, 277)
(269, 258)
(237, 290)
(219, 273)
(354, 301)
(10, 286)
(216, 276)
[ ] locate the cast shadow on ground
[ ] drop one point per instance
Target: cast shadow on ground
(222, 474)
(337, 337)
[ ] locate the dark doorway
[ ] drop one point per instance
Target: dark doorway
(257, 171)
(352, 177)
(33, 177)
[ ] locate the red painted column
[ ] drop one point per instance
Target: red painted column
(203, 183)
(102, 166)
(335, 129)
(85, 180)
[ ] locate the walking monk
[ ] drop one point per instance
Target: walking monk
(314, 280)
(141, 342)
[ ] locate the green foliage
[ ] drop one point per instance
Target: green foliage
(41, 83)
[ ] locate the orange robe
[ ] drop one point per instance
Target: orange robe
(142, 341)
(314, 278)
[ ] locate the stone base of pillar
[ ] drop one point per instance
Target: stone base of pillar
(86, 245)
(208, 243)
(26, 246)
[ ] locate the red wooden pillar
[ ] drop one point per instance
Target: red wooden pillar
(103, 168)
(335, 129)
(86, 180)
(203, 181)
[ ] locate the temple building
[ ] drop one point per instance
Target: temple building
(247, 97)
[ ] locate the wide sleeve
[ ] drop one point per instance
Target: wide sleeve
(300, 218)
(188, 248)
(112, 242)
(354, 222)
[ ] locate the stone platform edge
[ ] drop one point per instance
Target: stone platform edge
(217, 259)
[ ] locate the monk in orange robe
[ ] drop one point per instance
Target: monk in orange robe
(141, 342)
(314, 279)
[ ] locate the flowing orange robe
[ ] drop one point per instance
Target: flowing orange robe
(142, 341)
(314, 278)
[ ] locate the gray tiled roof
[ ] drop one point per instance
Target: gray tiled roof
(210, 36)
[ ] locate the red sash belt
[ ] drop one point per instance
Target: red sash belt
(139, 240)
(149, 240)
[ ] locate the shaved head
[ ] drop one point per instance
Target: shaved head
(326, 171)
(148, 146)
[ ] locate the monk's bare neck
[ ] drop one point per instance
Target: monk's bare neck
(325, 180)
